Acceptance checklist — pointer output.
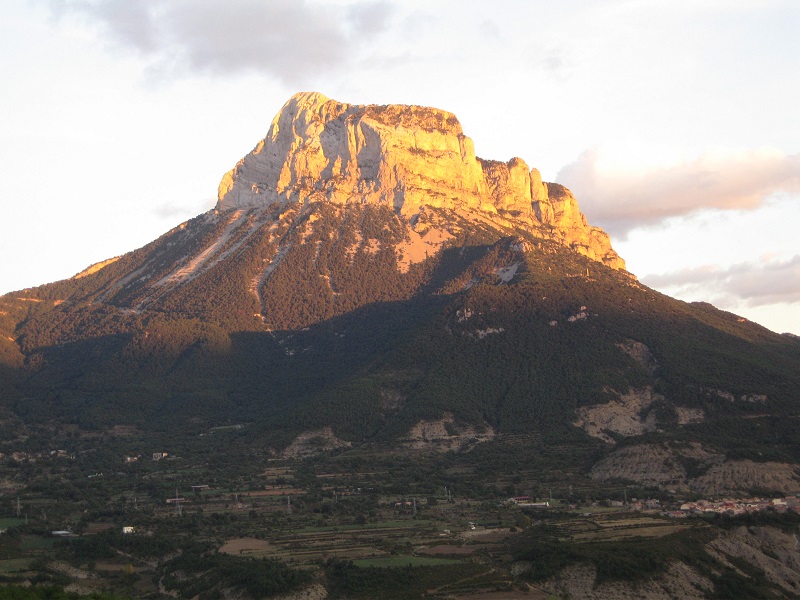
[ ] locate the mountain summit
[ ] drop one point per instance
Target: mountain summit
(370, 310)
(406, 158)
(365, 275)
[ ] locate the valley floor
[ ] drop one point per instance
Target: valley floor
(127, 515)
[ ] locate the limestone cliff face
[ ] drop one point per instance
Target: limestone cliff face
(559, 209)
(404, 157)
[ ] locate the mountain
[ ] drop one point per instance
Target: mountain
(365, 279)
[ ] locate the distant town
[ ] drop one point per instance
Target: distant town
(724, 506)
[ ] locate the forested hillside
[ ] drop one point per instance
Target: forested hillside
(506, 331)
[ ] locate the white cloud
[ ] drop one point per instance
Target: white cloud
(291, 40)
(620, 199)
(749, 284)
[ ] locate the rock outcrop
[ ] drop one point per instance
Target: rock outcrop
(769, 552)
(655, 465)
(446, 435)
(404, 157)
(628, 416)
(695, 468)
(310, 443)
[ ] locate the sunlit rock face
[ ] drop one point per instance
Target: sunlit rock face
(509, 185)
(403, 157)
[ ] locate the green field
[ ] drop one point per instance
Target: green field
(35, 542)
(7, 522)
(14, 565)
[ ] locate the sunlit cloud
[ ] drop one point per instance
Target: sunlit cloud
(750, 284)
(290, 40)
(620, 199)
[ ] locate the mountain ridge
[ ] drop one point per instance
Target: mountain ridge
(310, 310)
(332, 349)
(403, 157)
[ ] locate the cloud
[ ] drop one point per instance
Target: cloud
(750, 283)
(557, 64)
(172, 210)
(290, 40)
(620, 199)
(369, 18)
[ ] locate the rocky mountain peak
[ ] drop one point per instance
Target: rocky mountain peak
(403, 157)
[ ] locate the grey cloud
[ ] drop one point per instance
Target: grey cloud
(754, 284)
(133, 23)
(173, 210)
(169, 210)
(369, 18)
(291, 40)
(557, 65)
(620, 202)
(490, 31)
(684, 277)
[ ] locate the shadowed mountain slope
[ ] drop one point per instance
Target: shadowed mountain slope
(364, 271)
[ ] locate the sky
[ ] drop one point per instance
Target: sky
(674, 123)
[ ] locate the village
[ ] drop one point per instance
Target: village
(736, 507)
(675, 507)
(99, 509)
